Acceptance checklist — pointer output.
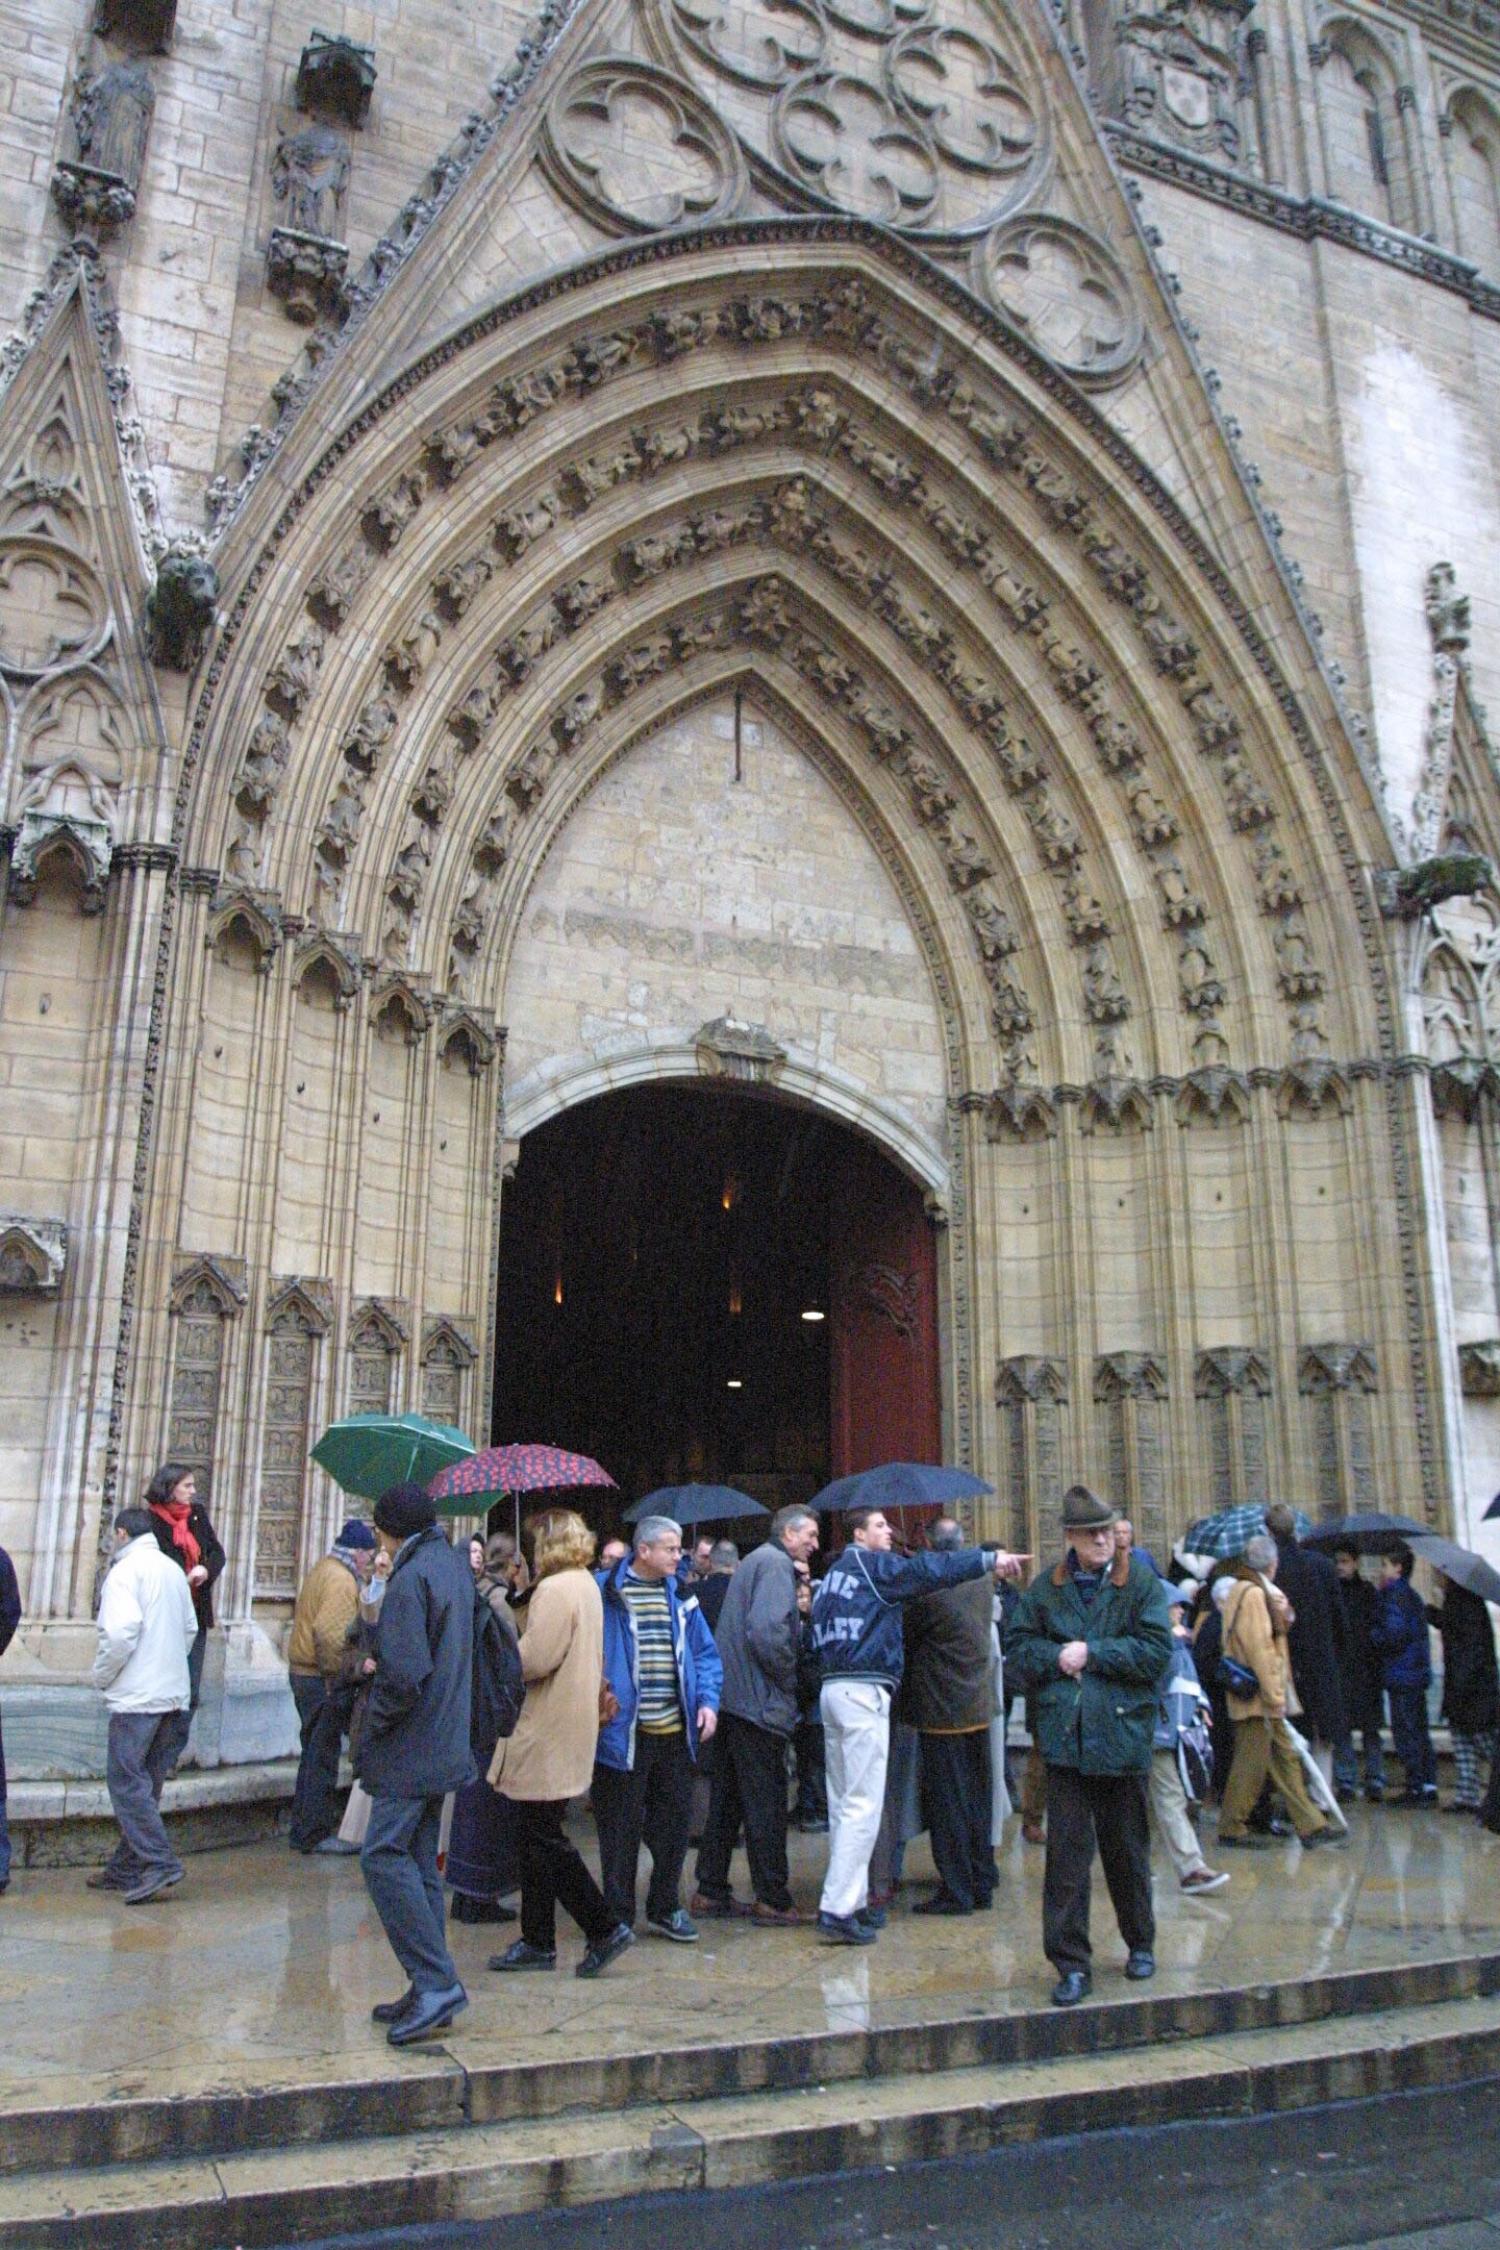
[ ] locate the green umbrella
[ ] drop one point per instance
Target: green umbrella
(367, 1453)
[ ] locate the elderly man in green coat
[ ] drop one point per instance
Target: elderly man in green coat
(1093, 1639)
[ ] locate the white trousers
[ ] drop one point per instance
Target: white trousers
(1169, 1805)
(857, 1742)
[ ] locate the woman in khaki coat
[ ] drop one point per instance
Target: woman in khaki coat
(550, 1757)
(1256, 1617)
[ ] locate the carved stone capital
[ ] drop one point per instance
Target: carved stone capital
(1336, 1367)
(1034, 1376)
(90, 202)
(1020, 1113)
(1220, 1369)
(1128, 1375)
(33, 1255)
(306, 271)
(1479, 1368)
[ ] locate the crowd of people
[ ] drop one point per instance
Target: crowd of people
(701, 1698)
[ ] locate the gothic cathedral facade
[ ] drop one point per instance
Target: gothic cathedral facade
(1057, 444)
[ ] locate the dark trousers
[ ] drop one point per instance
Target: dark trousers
(4, 1828)
(139, 1761)
(399, 1862)
(553, 1875)
(315, 1806)
(957, 1788)
(1083, 1808)
(749, 1787)
(182, 1721)
(1410, 1736)
(652, 1804)
(1346, 1759)
(812, 1770)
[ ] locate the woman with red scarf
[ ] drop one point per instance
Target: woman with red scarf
(184, 1532)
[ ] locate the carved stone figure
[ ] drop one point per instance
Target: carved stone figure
(408, 657)
(332, 594)
(1280, 892)
(522, 527)
(1249, 806)
(1086, 918)
(992, 926)
(1117, 743)
(294, 675)
(529, 644)
(309, 174)
(1103, 994)
(456, 589)
(180, 608)
(1055, 833)
(657, 551)
(345, 815)
(261, 769)
(965, 860)
(929, 788)
(112, 119)
(493, 848)
(818, 416)
(388, 517)
(1180, 903)
(1152, 822)
(579, 713)
(370, 733)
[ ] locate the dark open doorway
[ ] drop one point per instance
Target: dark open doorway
(699, 1283)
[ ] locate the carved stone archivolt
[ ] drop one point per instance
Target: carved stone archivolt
(929, 120)
(1066, 293)
(639, 148)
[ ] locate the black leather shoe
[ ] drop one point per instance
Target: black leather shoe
(433, 2011)
(609, 1948)
(524, 1956)
(1070, 1989)
(391, 2011)
(941, 1903)
(466, 1909)
(1140, 1964)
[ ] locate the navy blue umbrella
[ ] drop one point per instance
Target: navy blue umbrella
(1369, 1533)
(1492, 1510)
(899, 1484)
(696, 1504)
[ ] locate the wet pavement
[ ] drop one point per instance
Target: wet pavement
(264, 1965)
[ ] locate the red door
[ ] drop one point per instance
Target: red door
(884, 1350)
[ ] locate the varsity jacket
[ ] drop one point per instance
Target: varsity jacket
(856, 1613)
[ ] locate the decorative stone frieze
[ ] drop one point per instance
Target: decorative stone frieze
(33, 1255)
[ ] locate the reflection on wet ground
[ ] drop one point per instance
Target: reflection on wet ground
(264, 1965)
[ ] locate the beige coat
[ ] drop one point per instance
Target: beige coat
(326, 1608)
(550, 1756)
(1255, 1618)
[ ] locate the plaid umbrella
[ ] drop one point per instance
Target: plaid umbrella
(367, 1453)
(503, 1472)
(1230, 1531)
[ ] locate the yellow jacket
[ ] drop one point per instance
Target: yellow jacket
(326, 1608)
(1255, 1634)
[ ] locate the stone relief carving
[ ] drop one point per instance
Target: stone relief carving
(1176, 70)
(1065, 291)
(181, 608)
(305, 260)
(639, 148)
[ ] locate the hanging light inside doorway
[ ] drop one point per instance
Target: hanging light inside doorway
(812, 1313)
(557, 1287)
(736, 1294)
(729, 1194)
(734, 1384)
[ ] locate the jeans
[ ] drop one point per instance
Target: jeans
(140, 1759)
(315, 1809)
(957, 1790)
(653, 1805)
(1412, 1740)
(1083, 1808)
(553, 1875)
(182, 1721)
(399, 1862)
(1346, 1760)
(856, 1745)
(750, 1788)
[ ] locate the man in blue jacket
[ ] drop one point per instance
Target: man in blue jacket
(664, 1671)
(858, 1634)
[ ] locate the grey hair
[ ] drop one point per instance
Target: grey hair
(652, 1528)
(1260, 1552)
(725, 1554)
(789, 1518)
(945, 1536)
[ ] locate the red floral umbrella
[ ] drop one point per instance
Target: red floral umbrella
(503, 1472)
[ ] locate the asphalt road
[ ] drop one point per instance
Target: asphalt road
(1419, 2170)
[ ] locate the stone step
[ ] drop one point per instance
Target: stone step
(478, 2078)
(478, 2171)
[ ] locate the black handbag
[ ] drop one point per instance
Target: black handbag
(1237, 1679)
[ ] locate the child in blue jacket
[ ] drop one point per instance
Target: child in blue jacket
(1400, 1637)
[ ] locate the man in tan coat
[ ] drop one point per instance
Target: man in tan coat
(1256, 1616)
(326, 1608)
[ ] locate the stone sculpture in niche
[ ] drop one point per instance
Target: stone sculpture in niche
(336, 78)
(305, 261)
(96, 191)
(180, 608)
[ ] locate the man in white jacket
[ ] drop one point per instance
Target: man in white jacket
(147, 1624)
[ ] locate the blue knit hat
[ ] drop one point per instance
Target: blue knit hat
(355, 1535)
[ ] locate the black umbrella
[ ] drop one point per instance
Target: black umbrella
(1459, 1564)
(696, 1504)
(1493, 1510)
(1368, 1534)
(900, 1484)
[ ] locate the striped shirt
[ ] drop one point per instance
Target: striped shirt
(660, 1707)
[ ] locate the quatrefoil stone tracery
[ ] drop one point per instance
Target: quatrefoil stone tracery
(641, 149)
(909, 112)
